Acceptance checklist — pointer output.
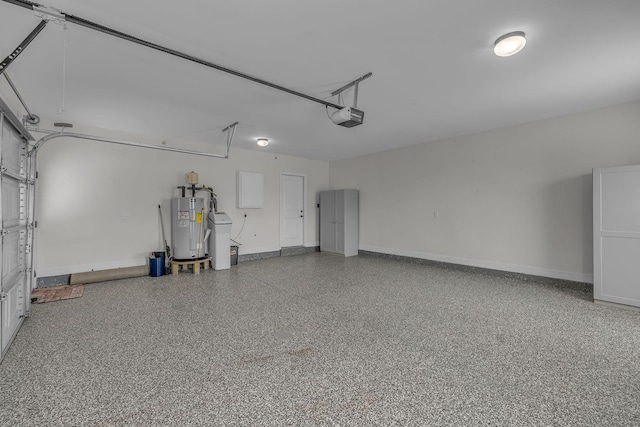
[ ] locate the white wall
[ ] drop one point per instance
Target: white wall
(86, 188)
(516, 199)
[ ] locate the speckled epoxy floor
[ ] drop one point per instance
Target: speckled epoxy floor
(317, 339)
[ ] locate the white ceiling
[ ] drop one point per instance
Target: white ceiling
(434, 72)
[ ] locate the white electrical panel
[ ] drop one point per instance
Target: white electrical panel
(250, 190)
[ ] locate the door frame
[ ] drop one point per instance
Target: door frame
(304, 204)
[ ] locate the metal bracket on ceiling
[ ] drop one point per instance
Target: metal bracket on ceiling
(353, 83)
(232, 130)
(29, 118)
(50, 14)
(4, 64)
(98, 27)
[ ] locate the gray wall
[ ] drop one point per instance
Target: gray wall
(517, 199)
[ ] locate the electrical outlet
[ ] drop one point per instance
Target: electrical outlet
(435, 214)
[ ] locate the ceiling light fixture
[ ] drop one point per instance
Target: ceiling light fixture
(509, 44)
(262, 142)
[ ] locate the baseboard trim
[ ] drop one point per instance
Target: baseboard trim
(258, 255)
(298, 250)
(489, 266)
(615, 304)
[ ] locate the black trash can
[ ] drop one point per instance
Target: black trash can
(234, 255)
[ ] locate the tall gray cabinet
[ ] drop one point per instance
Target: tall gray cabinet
(339, 222)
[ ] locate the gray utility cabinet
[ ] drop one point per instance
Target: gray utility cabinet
(616, 235)
(339, 222)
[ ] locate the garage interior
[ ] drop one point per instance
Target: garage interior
(386, 223)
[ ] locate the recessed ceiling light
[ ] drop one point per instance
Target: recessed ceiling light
(510, 44)
(262, 142)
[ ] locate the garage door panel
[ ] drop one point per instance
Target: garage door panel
(12, 257)
(13, 193)
(12, 311)
(13, 152)
(15, 276)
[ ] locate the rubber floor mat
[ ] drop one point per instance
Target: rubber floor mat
(56, 293)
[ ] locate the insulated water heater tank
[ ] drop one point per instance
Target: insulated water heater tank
(188, 228)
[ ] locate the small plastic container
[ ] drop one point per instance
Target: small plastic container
(234, 255)
(156, 264)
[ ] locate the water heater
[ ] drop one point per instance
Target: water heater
(188, 228)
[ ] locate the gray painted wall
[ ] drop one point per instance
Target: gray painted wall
(517, 199)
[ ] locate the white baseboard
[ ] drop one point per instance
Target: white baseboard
(534, 271)
(83, 268)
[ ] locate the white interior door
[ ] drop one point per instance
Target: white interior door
(291, 210)
(616, 201)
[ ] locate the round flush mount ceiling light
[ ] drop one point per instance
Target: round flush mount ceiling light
(262, 142)
(509, 44)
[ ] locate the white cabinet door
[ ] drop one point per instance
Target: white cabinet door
(616, 232)
(339, 222)
(327, 221)
(339, 217)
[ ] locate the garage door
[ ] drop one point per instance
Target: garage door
(14, 188)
